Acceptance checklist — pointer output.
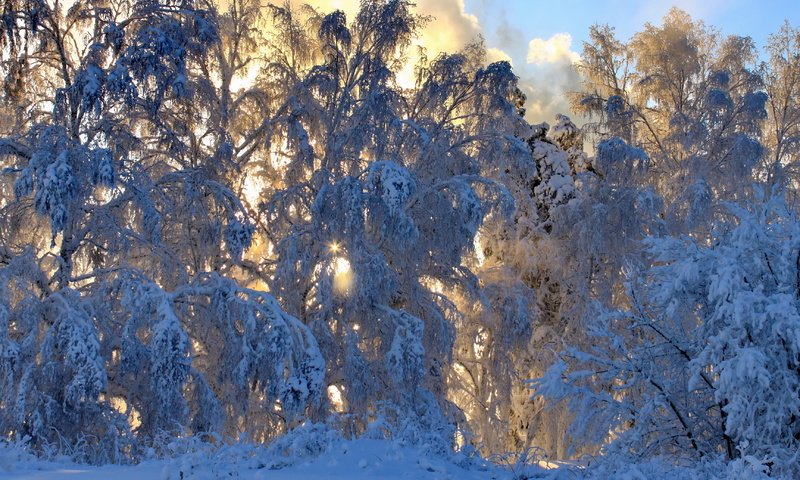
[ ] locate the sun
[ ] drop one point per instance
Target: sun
(343, 276)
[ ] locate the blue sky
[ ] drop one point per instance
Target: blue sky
(537, 18)
(561, 27)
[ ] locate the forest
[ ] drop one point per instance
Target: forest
(227, 223)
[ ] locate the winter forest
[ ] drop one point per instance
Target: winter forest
(271, 229)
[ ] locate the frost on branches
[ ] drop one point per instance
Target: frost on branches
(381, 194)
(118, 331)
(137, 214)
(212, 231)
(704, 361)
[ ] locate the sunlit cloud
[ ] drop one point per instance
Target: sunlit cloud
(449, 30)
(497, 55)
(451, 27)
(556, 49)
(545, 69)
(547, 75)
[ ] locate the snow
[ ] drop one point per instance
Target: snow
(369, 459)
(47, 471)
(415, 252)
(362, 458)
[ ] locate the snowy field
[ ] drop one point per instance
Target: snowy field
(348, 460)
(359, 459)
(315, 453)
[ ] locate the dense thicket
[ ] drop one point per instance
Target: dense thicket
(137, 176)
(694, 354)
(228, 221)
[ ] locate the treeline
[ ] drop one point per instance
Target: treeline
(229, 221)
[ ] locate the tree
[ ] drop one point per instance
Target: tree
(703, 361)
(782, 84)
(693, 104)
(576, 227)
(376, 196)
(120, 329)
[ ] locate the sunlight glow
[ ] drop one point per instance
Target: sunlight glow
(479, 255)
(120, 405)
(341, 266)
(251, 189)
(278, 159)
(336, 398)
(481, 342)
(433, 284)
(406, 77)
(342, 276)
(547, 464)
(103, 194)
(458, 440)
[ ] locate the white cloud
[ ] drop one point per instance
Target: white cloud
(497, 55)
(451, 27)
(556, 49)
(548, 75)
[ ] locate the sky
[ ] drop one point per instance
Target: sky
(542, 38)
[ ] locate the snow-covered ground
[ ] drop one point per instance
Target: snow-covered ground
(315, 453)
(363, 458)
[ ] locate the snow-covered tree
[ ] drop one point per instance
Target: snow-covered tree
(53, 367)
(225, 222)
(782, 84)
(693, 103)
(578, 221)
(247, 365)
(373, 197)
(118, 212)
(703, 360)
